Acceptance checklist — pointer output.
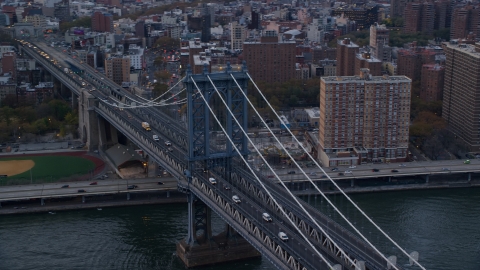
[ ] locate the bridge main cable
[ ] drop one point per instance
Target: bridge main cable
(334, 183)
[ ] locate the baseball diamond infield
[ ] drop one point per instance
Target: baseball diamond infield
(14, 167)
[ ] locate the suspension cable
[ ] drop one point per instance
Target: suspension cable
(336, 185)
(254, 174)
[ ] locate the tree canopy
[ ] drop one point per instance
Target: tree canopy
(80, 22)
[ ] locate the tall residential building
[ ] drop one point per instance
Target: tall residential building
(432, 82)
(409, 63)
(363, 119)
(465, 20)
(206, 25)
(270, 60)
(379, 39)
(346, 54)
(9, 60)
(118, 69)
(397, 8)
(238, 35)
(62, 11)
(102, 22)
(419, 17)
(461, 93)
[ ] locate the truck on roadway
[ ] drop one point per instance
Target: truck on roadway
(146, 126)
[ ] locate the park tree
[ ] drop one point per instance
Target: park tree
(59, 109)
(6, 114)
(167, 43)
(85, 22)
(162, 76)
(433, 148)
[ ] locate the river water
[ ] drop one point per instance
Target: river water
(442, 225)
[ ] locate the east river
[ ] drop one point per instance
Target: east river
(442, 225)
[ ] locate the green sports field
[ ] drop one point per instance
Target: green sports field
(50, 169)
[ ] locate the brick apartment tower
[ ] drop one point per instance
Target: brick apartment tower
(102, 22)
(461, 93)
(363, 119)
(409, 63)
(419, 17)
(118, 69)
(465, 20)
(8, 61)
(432, 82)
(346, 54)
(379, 39)
(270, 60)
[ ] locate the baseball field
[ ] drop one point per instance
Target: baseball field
(48, 168)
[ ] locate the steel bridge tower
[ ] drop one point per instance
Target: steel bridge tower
(204, 154)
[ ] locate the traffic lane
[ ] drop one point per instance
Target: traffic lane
(144, 182)
(271, 228)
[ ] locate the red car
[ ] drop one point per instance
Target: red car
(93, 183)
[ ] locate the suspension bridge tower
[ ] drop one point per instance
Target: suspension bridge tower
(209, 154)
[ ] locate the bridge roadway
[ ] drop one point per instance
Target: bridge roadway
(103, 187)
(282, 254)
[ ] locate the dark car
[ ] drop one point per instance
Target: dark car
(65, 186)
(334, 169)
(394, 170)
(291, 172)
(340, 173)
(93, 183)
(132, 187)
(226, 187)
(160, 183)
(324, 176)
(81, 190)
(375, 170)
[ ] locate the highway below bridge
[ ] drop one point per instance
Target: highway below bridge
(98, 104)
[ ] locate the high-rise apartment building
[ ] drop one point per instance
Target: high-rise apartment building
(364, 119)
(346, 54)
(102, 22)
(432, 82)
(118, 69)
(397, 7)
(237, 36)
(9, 60)
(465, 20)
(419, 17)
(409, 63)
(461, 93)
(379, 39)
(62, 11)
(270, 60)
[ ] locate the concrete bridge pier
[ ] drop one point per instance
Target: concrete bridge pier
(88, 120)
(469, 177)
(42, 202)
(427, 178)
(352, 182)
(200, 247)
